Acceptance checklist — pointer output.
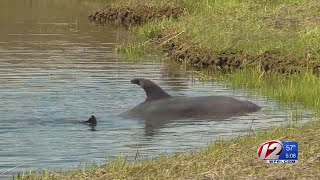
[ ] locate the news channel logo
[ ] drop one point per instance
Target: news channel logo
(276, 152)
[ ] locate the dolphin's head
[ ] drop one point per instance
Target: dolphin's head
(135, 81)
(144, 83)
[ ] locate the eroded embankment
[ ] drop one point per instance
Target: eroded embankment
(269, 61)
(135, 14)
(184, 51)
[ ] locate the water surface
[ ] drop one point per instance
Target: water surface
(57, 68)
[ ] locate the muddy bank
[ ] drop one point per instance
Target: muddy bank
(137, 15)
(270, 62)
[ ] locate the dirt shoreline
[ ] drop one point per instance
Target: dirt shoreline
(134, 15)
(227, 61)
(270, 62)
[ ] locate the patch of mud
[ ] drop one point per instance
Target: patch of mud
(269, 62)
(136, 15)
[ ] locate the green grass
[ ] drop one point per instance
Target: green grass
(288, 27)
(132, 50)
(139, 47)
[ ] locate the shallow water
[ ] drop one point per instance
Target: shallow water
(57, 68)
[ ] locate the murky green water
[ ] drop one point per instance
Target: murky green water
(57, 68)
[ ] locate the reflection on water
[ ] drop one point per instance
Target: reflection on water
(57, 69)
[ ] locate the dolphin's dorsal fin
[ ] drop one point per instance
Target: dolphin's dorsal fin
(152, 90)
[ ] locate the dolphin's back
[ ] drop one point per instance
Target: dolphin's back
(184, 107)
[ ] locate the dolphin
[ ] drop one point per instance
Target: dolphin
(159, 105)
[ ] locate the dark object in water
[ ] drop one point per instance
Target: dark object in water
(92, 121)
(160, 106)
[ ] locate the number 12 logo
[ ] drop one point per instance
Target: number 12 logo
(270, 150)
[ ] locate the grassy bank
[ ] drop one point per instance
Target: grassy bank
(289, 31)
(280, 36)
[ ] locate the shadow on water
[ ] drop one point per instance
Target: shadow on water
(57, 68)
(152, 126)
